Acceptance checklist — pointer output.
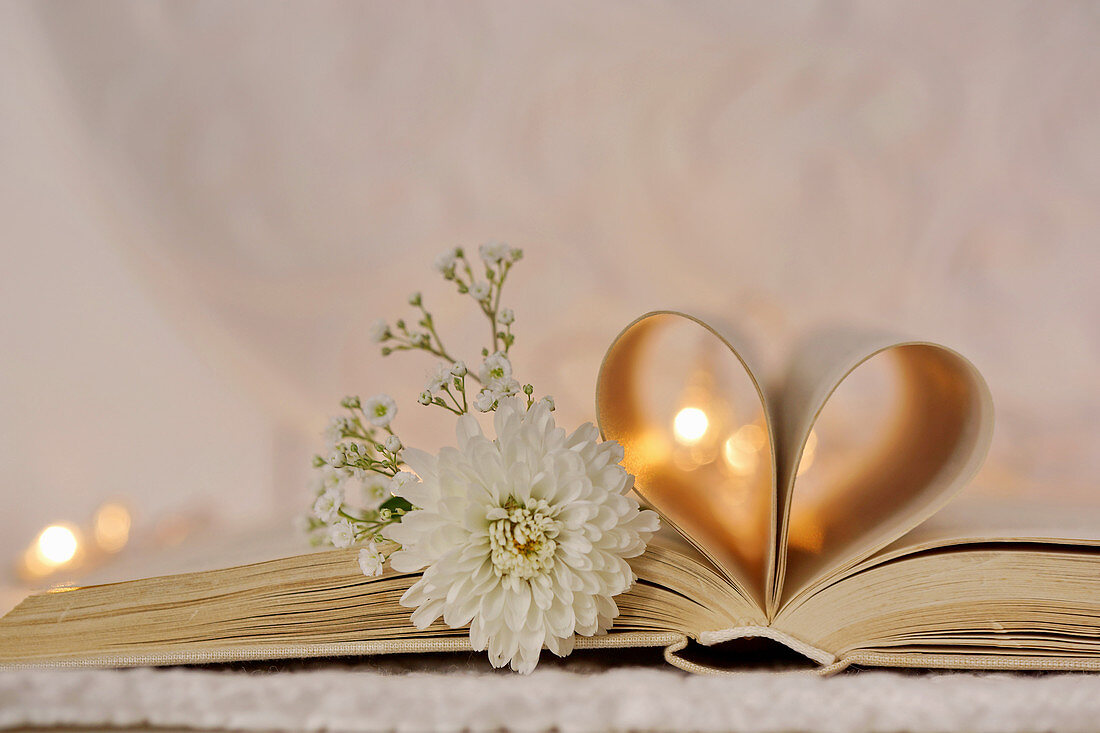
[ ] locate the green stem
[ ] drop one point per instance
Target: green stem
(460, 409)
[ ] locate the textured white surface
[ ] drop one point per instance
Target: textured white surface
(637, 698)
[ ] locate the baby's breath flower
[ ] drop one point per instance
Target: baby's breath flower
(373, 490)
(505, 388)
(403, 479)
(445, 263)
(480, 291)
(493, 253)
(341, 533)
(438, 377)
(379, 331)
(351, 402)
(393, 444)
(327, 506)
(336, 429)
(415, 299)
(485, 400)
(458, 369)
(425, 398)
(324, 478)
(495, 368)
(371, 560)
(380, 410)
(506, 317)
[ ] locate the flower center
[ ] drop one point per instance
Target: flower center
(521, 541)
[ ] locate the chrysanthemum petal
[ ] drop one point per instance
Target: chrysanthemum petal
(523, 537)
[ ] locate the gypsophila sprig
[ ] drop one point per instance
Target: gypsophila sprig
(524, 537)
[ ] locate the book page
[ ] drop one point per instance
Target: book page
(936, 424)
(321, 604)
(1020, 605)
(691, 415)
(979, 519)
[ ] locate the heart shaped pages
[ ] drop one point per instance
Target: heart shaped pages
(784, 484)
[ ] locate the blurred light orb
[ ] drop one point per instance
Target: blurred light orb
(112, 527)
(741, 449)
(56, 545)
(690, 425)
(808, 453)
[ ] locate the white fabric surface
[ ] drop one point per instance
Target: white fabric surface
(343, 697)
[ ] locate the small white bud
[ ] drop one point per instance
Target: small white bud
(425, 398)
(506, 317)
(393, 444)
(458, 369)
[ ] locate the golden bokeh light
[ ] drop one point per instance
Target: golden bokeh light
(808, 453)
(690, 425)
(112, 527)
(741, 450)
(56, 545)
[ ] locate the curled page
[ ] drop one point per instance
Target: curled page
(935, 428)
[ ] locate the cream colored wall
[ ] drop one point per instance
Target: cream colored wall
(204, 204)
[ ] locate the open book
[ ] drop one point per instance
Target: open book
(797, 508)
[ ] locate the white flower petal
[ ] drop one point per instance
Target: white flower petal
(523, 537)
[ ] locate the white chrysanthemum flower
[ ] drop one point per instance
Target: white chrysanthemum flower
(379, 331)
(371, 560)
(480, 291)
(495, 368)
(494, 252)
(380, 410)
(523, 537)
(341, 534)
(438, 377)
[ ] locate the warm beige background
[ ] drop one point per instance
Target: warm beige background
(203, 204)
